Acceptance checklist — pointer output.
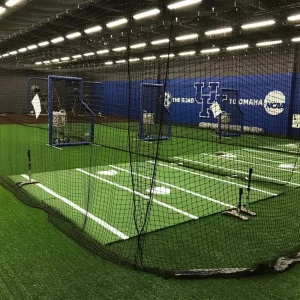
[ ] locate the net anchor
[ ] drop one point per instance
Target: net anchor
(241, 211)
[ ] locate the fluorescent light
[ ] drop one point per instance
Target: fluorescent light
(187, 53)
(92, 29)
(55, 60)
(162, 41)
(120, 61)
(268, 43)
(39, 63)
(218, 31)
(47, 62)
(149, 57)
(77, 56)
(237, 47)
(11, 3)
(297, 39)
(103, 51)
(73, 35)
(89, 54)
(186, 37)
(211, 50)
(13, 52)
(294, 18)
(65, 58)
(133, 59)
(57, 40)
(22, 50)
(258, 24)
(5, 55)
(31, 47)
(146, 14)
(43, 44)
(118, 49)
(141, 45)
(108, 63)
(183, 4)
(2, 10)
(116, 23)
(167, 55)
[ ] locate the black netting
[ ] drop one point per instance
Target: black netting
(182, 152)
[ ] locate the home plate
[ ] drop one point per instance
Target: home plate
(160, 191)
(287, 166)
(108, 173)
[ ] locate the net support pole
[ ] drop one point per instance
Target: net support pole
(30, 181)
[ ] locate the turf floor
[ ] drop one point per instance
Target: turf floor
(38, 262)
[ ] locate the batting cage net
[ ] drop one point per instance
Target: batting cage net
(163, 136)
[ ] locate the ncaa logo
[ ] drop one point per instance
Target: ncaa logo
(274, 103)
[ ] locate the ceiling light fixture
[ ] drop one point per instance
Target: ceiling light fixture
(108, 63)
(146, 14)
(149, 57)
(65, 58)
(57, 40)
(93, 29)
(89, 54)
(32, 47)
(22, 50)
(116, 23)
(211, 50)
(11, 3)
(118, 49)
(184, 3)
(167, 55)
(43, 44)
(219, 31)
(268, 43)
(187, 53)
(2, 10)
(77, 56)
(141, 45)
(258, 24)
(186, 37)
(296, 39)
(103, 51)
(73, 35)
(237, 47)
(162, 41)
(294, 18)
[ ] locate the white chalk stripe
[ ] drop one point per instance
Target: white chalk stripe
(139, 194)
(255, 164)
(214, 178)
(175, 187)
(81, 210)
(270, 152)
(54, 147)
(237, 171)
(265, 159)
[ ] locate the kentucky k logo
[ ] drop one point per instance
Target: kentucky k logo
(205, 96)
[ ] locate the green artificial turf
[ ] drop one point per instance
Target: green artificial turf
(38, 262)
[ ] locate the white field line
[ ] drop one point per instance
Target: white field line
(213, 178)
(81, 210)
(175, 187)
(236, 171)
(255, 164)
(54, 147)
(139, 194)
(263, 159)
(272, 148)
(264, 152)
